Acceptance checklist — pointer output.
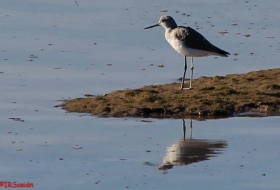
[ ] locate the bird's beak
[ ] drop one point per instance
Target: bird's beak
(152, 26)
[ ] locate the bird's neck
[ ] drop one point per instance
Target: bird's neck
(170, 27)
(167, 34)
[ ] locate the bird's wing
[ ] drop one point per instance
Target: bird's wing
(195, 40)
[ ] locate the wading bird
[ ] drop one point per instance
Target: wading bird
(187, 42)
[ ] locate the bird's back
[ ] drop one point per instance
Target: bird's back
(193, 41)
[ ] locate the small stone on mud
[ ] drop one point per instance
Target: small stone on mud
(270, 37)
(186, 14)
(223, 32)
(146, 121)
(33, 56)
(89, 95)
(16, 119)
(77, 147)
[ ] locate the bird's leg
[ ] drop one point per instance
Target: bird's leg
(185, 69)
(191, 129)
(192, 67)
(184, 129)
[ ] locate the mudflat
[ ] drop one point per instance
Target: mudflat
(218, 96)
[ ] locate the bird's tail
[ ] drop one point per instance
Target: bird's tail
(222, 52)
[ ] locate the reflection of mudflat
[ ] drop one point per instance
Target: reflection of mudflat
(188, 151)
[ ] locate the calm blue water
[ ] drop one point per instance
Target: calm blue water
(114, 152)
(54, 50)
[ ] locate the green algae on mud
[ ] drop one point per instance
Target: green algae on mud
(212, 96)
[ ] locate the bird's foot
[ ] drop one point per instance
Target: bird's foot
(190, 88)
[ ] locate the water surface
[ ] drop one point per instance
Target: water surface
(53, 50)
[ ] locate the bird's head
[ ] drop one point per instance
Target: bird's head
(166, 22)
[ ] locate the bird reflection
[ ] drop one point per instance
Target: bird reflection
(188, 150)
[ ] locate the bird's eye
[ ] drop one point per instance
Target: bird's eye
(163, 20)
